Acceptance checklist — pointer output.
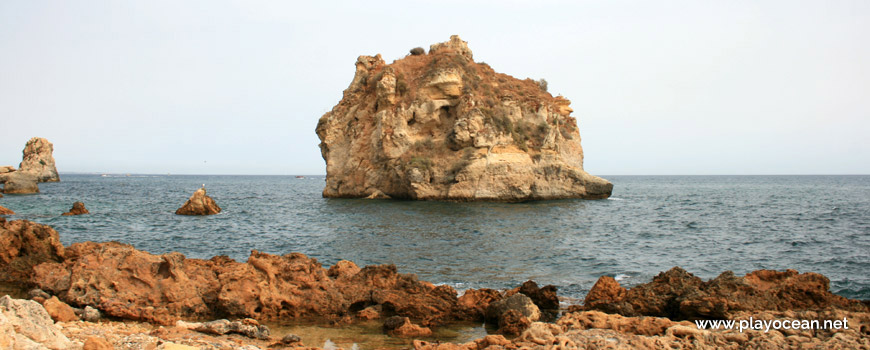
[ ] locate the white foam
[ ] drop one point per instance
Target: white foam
(621, 277)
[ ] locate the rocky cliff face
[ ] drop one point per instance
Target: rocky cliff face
(441, 126)
(39, 161)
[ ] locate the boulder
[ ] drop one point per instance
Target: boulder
(513, 322)
(545, 298)
(59, 311)
(78, 208)
(20, 183)
(38, 160)
(31, 326)
(443, 127)
(5, 211)
(23, 245)
(199, 204)
(247, 327)
(476, 301)
(517, 302)
(6, 169)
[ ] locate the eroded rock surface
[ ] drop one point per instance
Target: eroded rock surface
(199, 204)
(441, 126)
(679, 295)
(20, 183)
(24, 324)
(24, 244)
(38, 160)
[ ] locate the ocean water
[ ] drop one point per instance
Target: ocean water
(705, 224)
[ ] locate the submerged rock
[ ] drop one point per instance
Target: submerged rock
(38, 160)
(20, 183)
(441, 126)
(402, 327)
(199, 204)
(78, 208)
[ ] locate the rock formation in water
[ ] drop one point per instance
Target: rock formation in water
(6, 211)
(441, 126)
(199, 204)
(38, 160)
(78, 208)
(20, 183)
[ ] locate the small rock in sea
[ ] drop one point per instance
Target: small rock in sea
(199, 204)
(78, 208)
(4, 211)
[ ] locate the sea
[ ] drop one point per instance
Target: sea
(704, 224)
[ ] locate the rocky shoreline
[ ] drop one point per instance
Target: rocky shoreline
(153, 298)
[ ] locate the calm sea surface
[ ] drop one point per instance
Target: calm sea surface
(705, 224)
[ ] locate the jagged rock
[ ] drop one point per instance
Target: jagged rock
(513, 322)
(199, 204)
(6, 169)
(545, 298)
(441, 126)
(20, 183)
(38, 160)
(59, 311)
(78, 208)
(31, 326)
(127, 283)
(402, 327)
(5, 211)
(23, 245)
(476, 301)
(517, 302)
(679, 295)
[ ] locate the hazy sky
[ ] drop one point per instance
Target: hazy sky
(237, 87)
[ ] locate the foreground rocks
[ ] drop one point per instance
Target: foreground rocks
(679, 295)
(25, 324)
(441, 126)
(199, 204)
(23, 245)
(78, 208)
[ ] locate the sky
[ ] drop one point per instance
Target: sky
(236, 87)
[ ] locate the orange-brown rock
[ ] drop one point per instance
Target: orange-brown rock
(59, 311)
(513, 322)
(5, 211)
(23, 245)
(78, 208)
(476, 301)
(127, 283)
(679, 295)
(442, 126)
(97, 343)
(402, 327)
(199, 204)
